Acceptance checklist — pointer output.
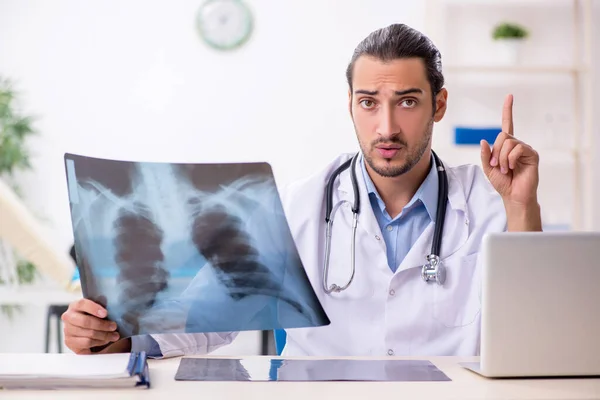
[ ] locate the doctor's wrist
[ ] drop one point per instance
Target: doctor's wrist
(120, 346)
(523, 217)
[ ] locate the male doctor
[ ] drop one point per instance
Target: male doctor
(396, 95)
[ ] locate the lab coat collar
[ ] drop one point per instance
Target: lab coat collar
(456, 223)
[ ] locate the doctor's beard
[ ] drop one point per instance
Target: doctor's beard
(413, 154)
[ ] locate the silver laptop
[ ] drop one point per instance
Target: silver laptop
(540, 305)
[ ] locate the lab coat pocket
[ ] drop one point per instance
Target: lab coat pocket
(457, 303)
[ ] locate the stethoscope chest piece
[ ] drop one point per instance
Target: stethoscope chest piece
(434, 270)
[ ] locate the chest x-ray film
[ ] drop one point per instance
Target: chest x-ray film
(184, 248)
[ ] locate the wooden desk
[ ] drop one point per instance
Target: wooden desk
(464, 385)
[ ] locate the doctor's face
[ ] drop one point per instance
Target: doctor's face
(392, 110)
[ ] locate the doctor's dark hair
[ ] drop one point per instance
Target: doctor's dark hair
(398, 41)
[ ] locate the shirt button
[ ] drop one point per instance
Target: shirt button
(377, 237)
(390, 352)
(389, 228)
(392, 292)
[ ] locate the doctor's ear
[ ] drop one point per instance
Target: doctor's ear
(441, 101)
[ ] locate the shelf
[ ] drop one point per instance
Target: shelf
(517, 69)
(36, 295)
(571, 168)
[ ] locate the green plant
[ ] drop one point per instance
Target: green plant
(15, 129)
(508, 30)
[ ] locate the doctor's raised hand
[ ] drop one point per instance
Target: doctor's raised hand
(511, 166)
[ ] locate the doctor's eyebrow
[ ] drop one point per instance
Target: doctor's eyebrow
(397, 93)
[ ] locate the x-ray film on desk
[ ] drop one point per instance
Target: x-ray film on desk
(306, 370)
(184, 248)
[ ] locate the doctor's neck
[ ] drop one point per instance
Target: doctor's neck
(397, 191)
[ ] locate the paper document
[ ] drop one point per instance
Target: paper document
(266, 369)
(184, 248)
(48, 370)
(64, 365)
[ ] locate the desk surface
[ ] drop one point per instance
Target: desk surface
(464, 385)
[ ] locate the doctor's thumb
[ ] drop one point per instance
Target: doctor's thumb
(486, 154)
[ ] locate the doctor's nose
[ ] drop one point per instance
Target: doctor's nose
(387, 125)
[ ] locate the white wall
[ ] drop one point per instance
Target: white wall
(132, 80)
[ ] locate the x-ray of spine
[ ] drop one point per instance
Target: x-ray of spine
(187, 248)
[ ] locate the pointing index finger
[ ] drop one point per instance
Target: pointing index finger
(507, 115)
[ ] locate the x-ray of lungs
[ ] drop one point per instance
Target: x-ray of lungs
(183, 248)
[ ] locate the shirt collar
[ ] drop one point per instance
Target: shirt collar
(427, 193)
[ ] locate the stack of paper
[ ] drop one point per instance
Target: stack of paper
(71, 371)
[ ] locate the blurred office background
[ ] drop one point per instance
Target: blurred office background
(135, 80)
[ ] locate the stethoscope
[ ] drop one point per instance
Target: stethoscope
(432, 270)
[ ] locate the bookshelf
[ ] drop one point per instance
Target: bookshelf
(557, 61)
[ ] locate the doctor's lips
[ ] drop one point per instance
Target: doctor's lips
(388, 151)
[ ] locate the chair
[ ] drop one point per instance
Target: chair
(280, 339)
(55, 311)
(264, 343)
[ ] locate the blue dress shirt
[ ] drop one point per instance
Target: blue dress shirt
(401, 232)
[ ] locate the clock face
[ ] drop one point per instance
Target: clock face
(224, 24)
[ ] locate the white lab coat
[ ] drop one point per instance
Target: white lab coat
(382, 312)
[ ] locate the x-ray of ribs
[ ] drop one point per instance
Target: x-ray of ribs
(140, 259)
(219, 237)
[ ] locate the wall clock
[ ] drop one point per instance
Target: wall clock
(224, 24)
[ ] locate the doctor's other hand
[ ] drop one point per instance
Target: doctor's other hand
(85, 328)
(512, 167)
